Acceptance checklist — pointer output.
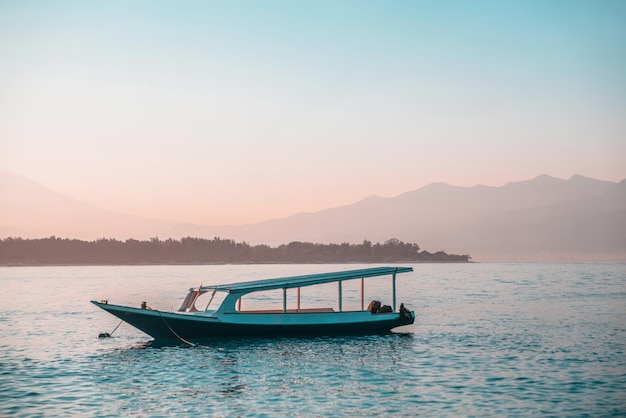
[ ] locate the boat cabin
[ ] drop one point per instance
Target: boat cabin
(227, 298)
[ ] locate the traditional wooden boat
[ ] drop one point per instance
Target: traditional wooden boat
(190, 323)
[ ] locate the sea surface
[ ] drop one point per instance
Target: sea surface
(489, 340)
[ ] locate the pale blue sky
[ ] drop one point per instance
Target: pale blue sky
(240, 111)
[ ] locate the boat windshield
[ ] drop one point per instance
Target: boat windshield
(208, 299)
(189, 301)
(200, 300)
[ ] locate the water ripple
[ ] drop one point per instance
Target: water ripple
(513, 340)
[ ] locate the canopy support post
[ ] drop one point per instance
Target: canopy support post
(298, 305)
(210, 300)
(393, 285)
(362, 293)
(340, 297)
(284, 299)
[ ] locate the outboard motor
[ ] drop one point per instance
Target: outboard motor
(405, 312)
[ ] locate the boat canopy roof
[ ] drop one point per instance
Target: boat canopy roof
(306, 280)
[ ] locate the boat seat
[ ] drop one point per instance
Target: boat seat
(306, 310)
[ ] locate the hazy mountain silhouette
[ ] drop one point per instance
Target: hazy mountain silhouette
(540, 219)
(29, 210)
(545, 218)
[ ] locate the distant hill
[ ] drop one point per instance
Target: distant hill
(543, 219)
(29, 210)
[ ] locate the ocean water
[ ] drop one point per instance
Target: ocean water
(489, 340)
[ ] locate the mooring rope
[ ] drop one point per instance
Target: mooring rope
(106, 334)
(174, 332)
(118, 325)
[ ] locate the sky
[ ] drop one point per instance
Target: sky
(232, 112)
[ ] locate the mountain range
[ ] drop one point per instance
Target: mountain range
(542, 219)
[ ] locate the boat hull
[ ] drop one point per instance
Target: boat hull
(176, 326)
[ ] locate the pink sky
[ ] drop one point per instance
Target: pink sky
(215, 114)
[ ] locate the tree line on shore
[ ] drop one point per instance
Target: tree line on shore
(64, 251)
